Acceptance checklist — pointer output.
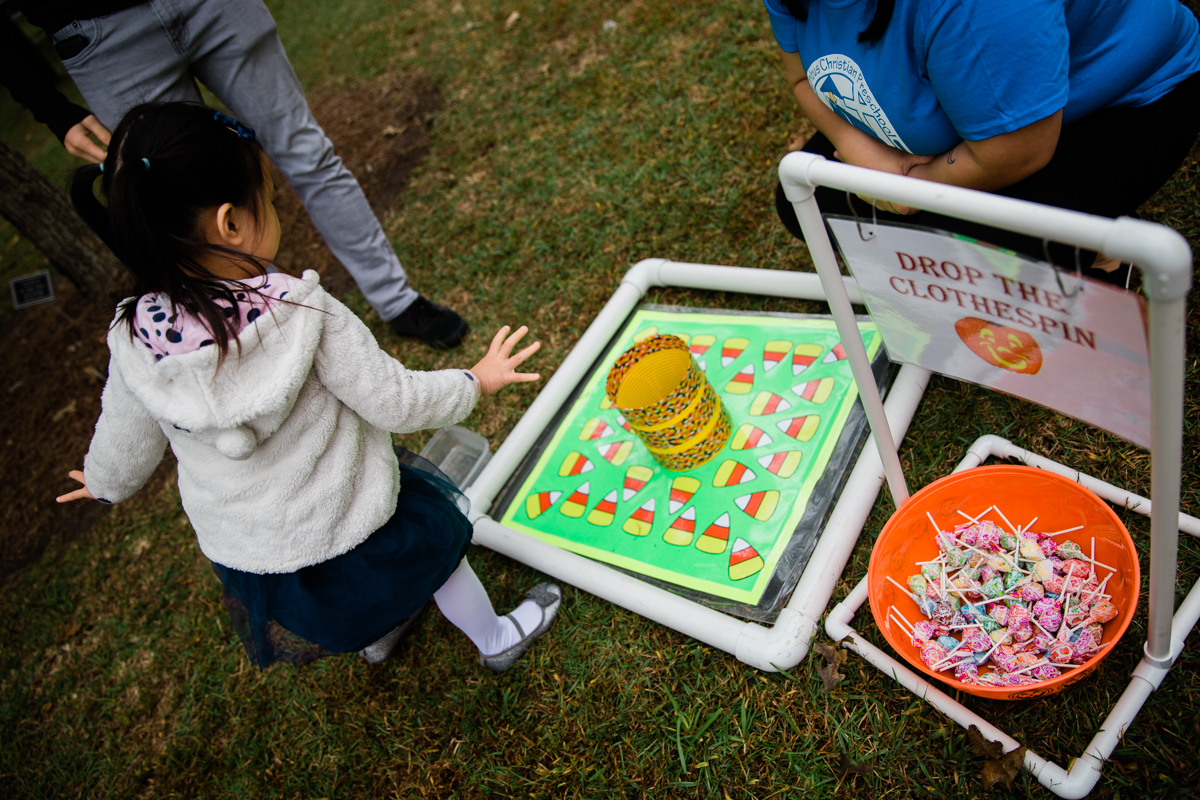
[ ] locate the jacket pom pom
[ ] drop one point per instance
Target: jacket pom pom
(236, 443)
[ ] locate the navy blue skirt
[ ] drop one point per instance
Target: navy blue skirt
(348, 602)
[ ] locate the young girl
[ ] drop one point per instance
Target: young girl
(278, 404)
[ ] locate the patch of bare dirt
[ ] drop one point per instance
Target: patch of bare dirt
(54, 360)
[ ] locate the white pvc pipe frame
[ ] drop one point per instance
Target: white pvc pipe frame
(780, 646)
(1165, 260)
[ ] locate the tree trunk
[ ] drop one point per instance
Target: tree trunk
(44, 215)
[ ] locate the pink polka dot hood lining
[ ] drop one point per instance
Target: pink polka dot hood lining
(166, 333)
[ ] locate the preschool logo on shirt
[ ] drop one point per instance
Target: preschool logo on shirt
(839, 82)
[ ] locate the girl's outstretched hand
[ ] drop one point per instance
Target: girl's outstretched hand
(495, 370)
(78, 494)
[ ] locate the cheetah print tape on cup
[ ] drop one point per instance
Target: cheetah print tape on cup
(668, 402)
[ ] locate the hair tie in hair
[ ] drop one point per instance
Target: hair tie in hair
(101, 166)
(146, 164)
(244, 131)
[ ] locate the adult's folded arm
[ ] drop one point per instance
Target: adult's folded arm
(987, 164)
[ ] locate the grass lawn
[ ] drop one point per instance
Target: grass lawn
(566, 150)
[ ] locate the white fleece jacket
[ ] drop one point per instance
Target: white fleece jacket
(285, 456)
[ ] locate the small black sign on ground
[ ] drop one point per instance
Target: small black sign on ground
(29, 290)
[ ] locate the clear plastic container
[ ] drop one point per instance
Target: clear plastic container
(458, 452)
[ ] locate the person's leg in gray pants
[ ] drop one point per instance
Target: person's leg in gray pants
(155, 51)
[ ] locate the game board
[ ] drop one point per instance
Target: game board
(721, 528)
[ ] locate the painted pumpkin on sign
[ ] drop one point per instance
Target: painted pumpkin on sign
(1000, 346)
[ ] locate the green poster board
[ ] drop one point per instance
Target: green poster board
(719, 528)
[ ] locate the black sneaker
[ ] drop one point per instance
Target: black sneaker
(436, 326)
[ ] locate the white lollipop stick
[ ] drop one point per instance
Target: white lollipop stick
(936, 529)
(976, 519)
(902, 588)
(896, 611)
(906, 631)
(1064, 666)
(1085, 559)
(955, 653)
(1068, 530)
(997, 555)
(1006, 522)
(1098, 590)
(1006, 637)
(1031, 666)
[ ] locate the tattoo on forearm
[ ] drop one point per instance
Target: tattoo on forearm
(950, 155)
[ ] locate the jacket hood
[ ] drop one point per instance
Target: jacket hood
(239, 404)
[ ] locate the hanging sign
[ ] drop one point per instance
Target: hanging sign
(997, 319)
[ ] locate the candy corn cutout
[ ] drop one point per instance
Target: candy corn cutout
(682, 489)
(686, 339)
(576, 504)
(800, 428)
(535, 504)
(615, 452)
(716, 537)
(838, 353)
(682, 529)
(768, 403)
(602, 515)
(731, 473)
(760, 505)
(575, 464)
(782, 464)
(640, 521)
(743, 382)
(624, 423)
(817, 391)
(702, 364)
(731, 349)
(700, 345)
(744, 561)
(804, 356)
(773, 353)
(635, 480)
(749, 437)
(645, 334)
(605, 403)
(595, 428)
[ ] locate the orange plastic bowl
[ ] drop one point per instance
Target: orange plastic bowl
(1021, 493)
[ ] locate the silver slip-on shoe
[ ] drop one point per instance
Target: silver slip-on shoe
(549, 597)
(381, 649)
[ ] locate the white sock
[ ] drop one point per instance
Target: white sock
(463, 600)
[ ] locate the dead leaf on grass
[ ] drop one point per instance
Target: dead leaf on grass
(1000, 767)
(852, 768)
(512, 20)
(834, 657)
(69, 408)
(69, 630)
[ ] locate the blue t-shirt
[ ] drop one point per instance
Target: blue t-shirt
(948, 70)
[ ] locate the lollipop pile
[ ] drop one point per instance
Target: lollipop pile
(1007, 608)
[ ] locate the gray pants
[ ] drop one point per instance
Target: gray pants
(156, 51)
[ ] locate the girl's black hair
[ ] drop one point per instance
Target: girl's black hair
(870, 35)
(168, 163)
